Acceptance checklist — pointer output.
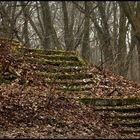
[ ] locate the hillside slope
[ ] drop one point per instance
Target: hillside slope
(47, 99)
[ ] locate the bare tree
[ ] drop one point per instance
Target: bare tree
(86, 39)
(68, 28)
(26, 26)
(134, 19)
(50, 40)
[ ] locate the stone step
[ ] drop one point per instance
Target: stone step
(110, 102)
(135, 124)
(73, 88)
(128, 121)
(123, 109)
(49, 62)
(130, 131)
(55, 69)
(71, 82)
(125, 116)
(64, 75)
(53, 57)
(74, 94)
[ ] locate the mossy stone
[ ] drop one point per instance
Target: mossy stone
(110, 102)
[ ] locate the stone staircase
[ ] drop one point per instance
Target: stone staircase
(65, 70)
(68, 73)
(124, 113)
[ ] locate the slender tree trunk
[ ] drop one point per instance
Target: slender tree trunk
(25, 28)
(122, 45)
(68, 29)
(85, 42)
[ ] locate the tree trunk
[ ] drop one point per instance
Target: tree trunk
(50, 38)
(122, 45)
(68, 36)
(105, 38)
(25, 28)
(134, 19)
(85, 43)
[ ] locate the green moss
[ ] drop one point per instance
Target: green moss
(128, 116)
(122, 110)
(53, 63)
(1, 78)
(71, 88)
(7, 77)
(110, 102)
(132, 124)
(70, 83)
(76, 69)
(56, 69)
(63, 76)
(80, 60)
(54, 57)
(15, 50)
(56, 61)
(130, 131)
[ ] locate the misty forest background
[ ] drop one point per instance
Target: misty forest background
(105, 33)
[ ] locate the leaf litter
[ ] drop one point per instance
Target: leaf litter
(35, 110)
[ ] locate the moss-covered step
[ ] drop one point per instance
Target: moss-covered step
(71, 76)
(51, 52)
(110, 102)
(0, 66)
(71, 82)
(83, 93)
(55, 69)
(36, 61)
(130, 131)
(125, 116)
(7, 77)
(73, 88)
(47, 52)
(54, 57)
(128, 121)
(123, 109)
(135, 124)
(51, 62)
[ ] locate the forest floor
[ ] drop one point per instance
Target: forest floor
(39, 111)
